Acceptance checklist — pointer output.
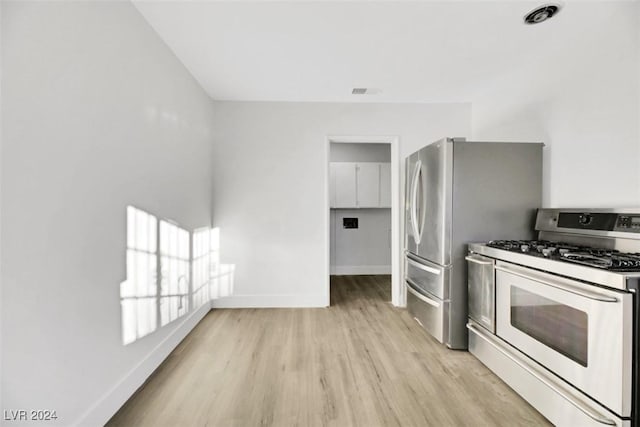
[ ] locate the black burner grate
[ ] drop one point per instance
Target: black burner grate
(608, 259)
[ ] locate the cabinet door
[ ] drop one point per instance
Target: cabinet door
(332, 185)
(368, 185)
(344, 186)
(385, 185)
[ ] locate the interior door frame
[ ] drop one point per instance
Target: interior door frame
(397, 297)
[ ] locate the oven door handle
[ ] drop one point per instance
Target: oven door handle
(574, 290)
(479, 260)
(575, 401)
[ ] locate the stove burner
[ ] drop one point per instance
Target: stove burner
(608, 259)
(589, 260)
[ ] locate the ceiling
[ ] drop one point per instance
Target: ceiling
(421, 51)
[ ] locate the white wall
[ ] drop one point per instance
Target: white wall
(98, 114)
(269, 182)
(581, 98)
(363, 250)
(360, 152)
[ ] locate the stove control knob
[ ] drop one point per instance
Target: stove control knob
(585, 219)
(548, 251)
(524, 248)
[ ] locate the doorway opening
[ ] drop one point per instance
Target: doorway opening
(362, 205)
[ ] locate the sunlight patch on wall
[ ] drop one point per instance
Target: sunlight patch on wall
(223, 280)
(174, 272)
(162, 257)
(138, 292)
(202, 266)
(221, 274)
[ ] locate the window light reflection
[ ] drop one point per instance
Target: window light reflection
(161, 259)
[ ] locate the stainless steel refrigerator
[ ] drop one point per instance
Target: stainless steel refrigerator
(459, 192)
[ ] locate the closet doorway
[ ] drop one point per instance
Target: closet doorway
(362, 205)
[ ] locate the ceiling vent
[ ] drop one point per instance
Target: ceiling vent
(365, 91)
(541, 14)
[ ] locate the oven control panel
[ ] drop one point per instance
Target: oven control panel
(595, 221)
(628, 223)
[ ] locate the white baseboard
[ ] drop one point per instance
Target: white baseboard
(270, 301)
(102, 410)
(348, 270)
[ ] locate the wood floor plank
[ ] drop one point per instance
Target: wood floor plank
(360, 362)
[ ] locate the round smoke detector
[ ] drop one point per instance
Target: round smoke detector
(541, 14)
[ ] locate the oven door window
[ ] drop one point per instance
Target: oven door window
(556, 325)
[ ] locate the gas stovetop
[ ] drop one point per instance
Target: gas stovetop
(606, 259)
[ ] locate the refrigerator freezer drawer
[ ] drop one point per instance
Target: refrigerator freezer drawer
(428, 311)
(428, 277)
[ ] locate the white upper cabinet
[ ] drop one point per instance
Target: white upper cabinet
(368, 185)
(360, 185)
(385, 185)
(343, 180)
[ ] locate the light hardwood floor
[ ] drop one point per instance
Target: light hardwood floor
(360, 362)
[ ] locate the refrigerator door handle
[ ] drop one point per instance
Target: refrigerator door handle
(423, 203)
(422, 266)
(411, 287)
(413, 212)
